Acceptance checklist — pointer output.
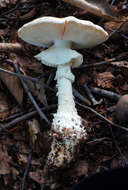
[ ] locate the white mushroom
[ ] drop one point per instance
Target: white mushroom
(61, 35)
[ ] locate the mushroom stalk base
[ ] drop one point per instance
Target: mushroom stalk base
(67, 129)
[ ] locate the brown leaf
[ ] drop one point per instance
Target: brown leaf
(38, 91)
(104, 79)
(4, 110)
(37, 176)
(4, 161)
(4, 106)
(28, 15)
(34, 130)
(7, 3)
(123, 65)
(116, 29)
(12, 83)
(31, 67)
(3, 32)
(97, 7)
(81, 168)
(120, 64)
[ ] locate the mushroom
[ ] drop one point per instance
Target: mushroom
(61, 36)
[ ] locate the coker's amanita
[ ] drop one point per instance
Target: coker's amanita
(60, 36)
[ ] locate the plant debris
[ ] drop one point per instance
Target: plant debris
(25, 138)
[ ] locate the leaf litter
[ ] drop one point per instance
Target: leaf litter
(16, 143)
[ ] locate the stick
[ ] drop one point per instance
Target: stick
(23, 118)
(26, 170)
(102, 117)
(41, 114)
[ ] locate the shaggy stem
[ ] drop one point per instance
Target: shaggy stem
(67, 129)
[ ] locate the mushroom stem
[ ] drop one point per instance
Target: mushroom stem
(67, 128)
(64, 79)
(62, 44)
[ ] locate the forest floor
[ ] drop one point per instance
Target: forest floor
(24, 140)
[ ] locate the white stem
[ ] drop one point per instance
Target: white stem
(62, 44)
(64, 79)
(67, 129)
(66, 117)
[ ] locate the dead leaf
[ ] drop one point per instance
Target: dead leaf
(83, 79)
(34, 130)
(81, 168)
(3, 32)
(4, 106)
(97, 7)
(116, 29)
(28, 15)
(4, 161)
(120, 64)
(29, 67)
(22, 158)
(7, 3)
(104, 79)
(123, 65)
(37, 176)
(12, 83)
(124, 87)
(4, 110)
(27, 1)
(38, 91)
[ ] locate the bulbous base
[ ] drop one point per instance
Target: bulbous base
(66, 141)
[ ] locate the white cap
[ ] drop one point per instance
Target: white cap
(44, 31)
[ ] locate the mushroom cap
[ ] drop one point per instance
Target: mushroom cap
(45, 30)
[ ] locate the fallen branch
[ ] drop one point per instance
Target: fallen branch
(105, 93)
(102, 117)
(100, 8)
(11, 47)
(11, 124)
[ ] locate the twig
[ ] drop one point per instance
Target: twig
(96, 64)
(28, 15)
(11, 47)
(117, 29)
(112, 2)
(41, 114)
(13, 116)
(97, 140)
(50, 78)
(9, 11)
(80, 97)
(27, 78)
(23, 118)
(118, 148)
(26, 169)
(90, 95)
(102, 117)
(85, 5)
(105, 93)
(41, 83)
(17, 7)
